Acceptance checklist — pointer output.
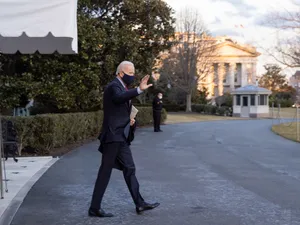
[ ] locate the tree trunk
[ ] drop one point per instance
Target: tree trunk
(188, 103)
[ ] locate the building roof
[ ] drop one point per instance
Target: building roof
(297, 74)
(219, 41)
(246, 48)
(251, 89)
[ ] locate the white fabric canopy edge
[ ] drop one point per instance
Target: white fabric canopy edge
(38, 18)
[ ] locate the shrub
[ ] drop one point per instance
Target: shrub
(224, 111)
(182, 107)
(198, 108)
(225, 100)
(206, 109)
(212, 110)
(48, 131)
(200, 96)
(173, 107)
(169, 107)
(142, 105)
(221, 111)
(145, 116)
(284, 103)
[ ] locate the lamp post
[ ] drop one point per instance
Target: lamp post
(297, 108)
(298, 123)
(148, 29)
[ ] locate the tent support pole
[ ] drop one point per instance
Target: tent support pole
(1, 166)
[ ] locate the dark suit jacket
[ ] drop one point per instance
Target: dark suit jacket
(157, 104)
(117, 108)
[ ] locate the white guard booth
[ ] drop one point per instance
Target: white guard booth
(251, 101)
(29, 26)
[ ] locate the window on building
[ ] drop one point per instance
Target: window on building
(262, 99)
(235, 73)
(226, 72)
(238, 72)
(252, 100)
(235, 76)
(238, 99)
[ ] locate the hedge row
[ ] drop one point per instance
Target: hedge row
(174, 107)
(284, 103)
(145, 116)
(45, 132)
(212, 110)
(169, 107)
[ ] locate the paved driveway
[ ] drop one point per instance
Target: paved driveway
(208, 173)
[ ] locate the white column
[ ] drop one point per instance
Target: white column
(244, 75)
(232, 68)
(221, 73)
(254, 73)
(210, 81)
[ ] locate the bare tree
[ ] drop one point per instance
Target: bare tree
(287, 24)
(287, 49)
(190, 59)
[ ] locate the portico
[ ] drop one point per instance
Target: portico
(233, 66)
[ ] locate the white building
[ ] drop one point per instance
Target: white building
(295, 83)
(234, 66)
(251, 101)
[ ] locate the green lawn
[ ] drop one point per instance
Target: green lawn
(284, 112)
(183, 117)
(287, 130)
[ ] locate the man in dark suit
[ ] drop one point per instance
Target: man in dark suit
(157, 107)
(116, 135)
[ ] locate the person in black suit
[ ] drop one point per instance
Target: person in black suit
(157, 107)
(115, 137)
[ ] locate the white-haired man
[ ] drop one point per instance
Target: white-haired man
(114, 143)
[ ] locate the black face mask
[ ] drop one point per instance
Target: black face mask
(127, 79)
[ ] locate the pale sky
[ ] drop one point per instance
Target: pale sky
(221, 17)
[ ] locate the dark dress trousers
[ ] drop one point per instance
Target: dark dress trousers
(157, 107)
(115, 137)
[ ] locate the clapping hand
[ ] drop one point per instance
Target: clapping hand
(144, 83)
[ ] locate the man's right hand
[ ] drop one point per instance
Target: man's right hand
(143, 85)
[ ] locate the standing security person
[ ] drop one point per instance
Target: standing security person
(157, 106)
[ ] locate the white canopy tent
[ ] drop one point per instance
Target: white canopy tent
(43, 26)
(38, 25)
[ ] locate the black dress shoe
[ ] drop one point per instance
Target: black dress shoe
(160, 131)
(146, 206)
(99, 213)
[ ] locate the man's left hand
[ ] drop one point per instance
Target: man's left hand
(144, 83)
